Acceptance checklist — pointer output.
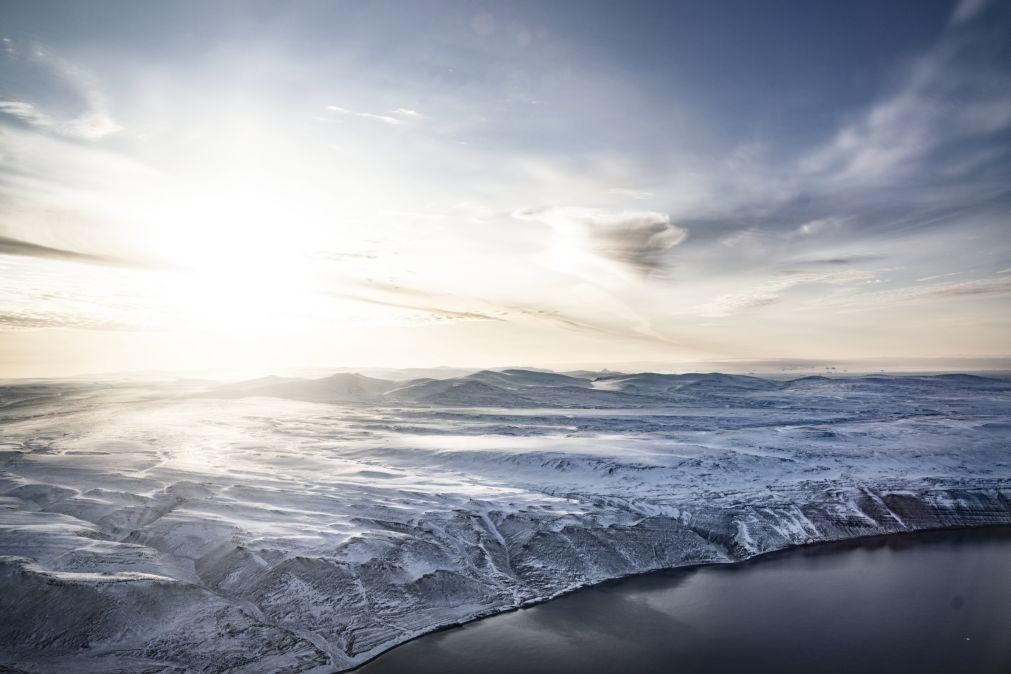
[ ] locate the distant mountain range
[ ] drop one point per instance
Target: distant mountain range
(542, 388)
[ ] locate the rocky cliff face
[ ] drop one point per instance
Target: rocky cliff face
(143, 532)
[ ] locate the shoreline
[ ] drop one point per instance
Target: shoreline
(856, 541)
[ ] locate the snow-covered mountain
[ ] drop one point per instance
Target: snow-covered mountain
(337, 388)
(502, 388)
(309, 524)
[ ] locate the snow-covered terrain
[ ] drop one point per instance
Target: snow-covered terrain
(307, 525)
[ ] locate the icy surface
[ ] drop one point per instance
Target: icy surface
(294, 525)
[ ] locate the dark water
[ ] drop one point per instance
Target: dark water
(933, 602)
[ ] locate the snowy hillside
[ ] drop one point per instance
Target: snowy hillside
(306, 525)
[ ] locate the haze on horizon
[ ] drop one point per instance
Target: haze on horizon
(258, 185)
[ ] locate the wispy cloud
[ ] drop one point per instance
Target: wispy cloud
(34, 320)
(987, 286)
(406, 112)
(21, 248)
(951, 94)
(414, 302)
(630, 193)
(838, 261)
(966, 10)
(819, 225)
(91, 124)
(771, 291)
(470, 307)
(395, 117)
(991, 288)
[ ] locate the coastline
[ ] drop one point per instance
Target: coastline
(849, 541)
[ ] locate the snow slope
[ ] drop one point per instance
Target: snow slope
(307, 525)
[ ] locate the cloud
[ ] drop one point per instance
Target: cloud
(966, 10)
(395, 117)
(819, 225)
(386, 119)
(954, 94)
(840, 260)
(14, 320)
(768, 292)
(88, 126)
(925, 293)
(967, 288)
(589, 325)
(630, 193)
(934, 277)
(406, 112)
(26, 112)
(457, 307)
(410, 305)
(91, 124)
(636, 240)
(21, 248)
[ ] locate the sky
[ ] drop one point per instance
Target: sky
(258, 186)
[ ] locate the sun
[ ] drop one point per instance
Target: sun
(241, 262)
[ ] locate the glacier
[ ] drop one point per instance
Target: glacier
(308, 525)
